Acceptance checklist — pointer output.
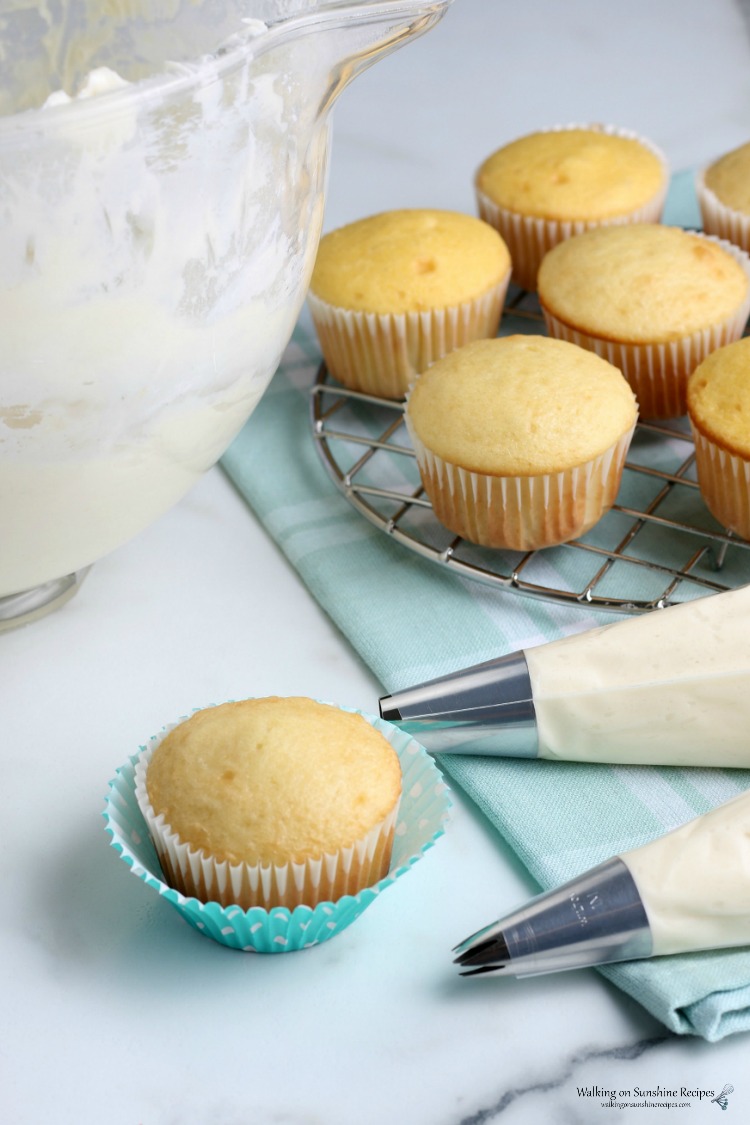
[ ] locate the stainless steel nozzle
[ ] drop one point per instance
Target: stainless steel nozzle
(487, 709)
(594, 919)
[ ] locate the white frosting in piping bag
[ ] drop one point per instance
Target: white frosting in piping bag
(671, 687)
(695, 882)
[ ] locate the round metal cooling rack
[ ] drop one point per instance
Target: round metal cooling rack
(657, 546)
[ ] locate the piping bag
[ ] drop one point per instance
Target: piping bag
(685, 891)
(671, 687)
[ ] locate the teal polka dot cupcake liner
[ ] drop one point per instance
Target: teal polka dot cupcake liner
(423, 814)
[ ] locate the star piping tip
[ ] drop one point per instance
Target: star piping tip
(491, 949)
(481, 969)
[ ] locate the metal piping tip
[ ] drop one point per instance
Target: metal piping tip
(488, 952)
(482, 969)
(594, 919)
(391, 713)
(487, 709)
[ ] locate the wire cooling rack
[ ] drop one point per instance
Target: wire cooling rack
(657, 546)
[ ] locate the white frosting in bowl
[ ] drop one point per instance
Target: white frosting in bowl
(154, 252)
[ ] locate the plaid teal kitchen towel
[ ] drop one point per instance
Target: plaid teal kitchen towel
(411, 620)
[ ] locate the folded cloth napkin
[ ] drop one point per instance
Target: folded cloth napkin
(411, 620)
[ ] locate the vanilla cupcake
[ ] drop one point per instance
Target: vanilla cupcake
(544, 187)
(521, 441)
(271, 802)
(392, 293)
(723, 190)
(719, 408)
(652, 300)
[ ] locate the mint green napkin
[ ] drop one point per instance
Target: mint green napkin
(410, 621)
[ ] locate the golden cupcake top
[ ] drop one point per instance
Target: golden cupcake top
(729, 179)
(520, 406)
(272, 780)
(577, 173)
(718, 396)
(409, 261)
(641, 283)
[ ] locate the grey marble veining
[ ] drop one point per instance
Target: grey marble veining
(561, 1078)
(655, 1069)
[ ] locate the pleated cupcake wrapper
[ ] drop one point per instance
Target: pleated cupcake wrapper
(326, 878)
(720, 220)
(658, 373)
(529, 238)
(724, 481)
(524, 512)
(380, 354)
(422, 817)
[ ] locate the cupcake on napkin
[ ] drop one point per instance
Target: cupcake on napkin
(392, 293)
(547, 186)
(653, 300)
(275, 821)
(521, 441)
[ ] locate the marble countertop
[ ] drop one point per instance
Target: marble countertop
(115, 1011)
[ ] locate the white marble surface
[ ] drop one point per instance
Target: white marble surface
(114, 1011)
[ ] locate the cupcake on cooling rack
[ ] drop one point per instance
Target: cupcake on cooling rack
(392, 293)
(521, 441)
(653, 300)
(723, 190)
(719, 408)
(546, 186)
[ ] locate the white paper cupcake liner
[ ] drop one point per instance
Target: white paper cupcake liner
(724, 482)
(422, 817)
(529, 238)
(380, 354)
(720, 220)
(521, 513)
(658, 372)
(325, 878)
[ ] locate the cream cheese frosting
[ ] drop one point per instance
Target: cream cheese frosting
(50, 48)
(151, 269)
(668, 688)
(695, 882)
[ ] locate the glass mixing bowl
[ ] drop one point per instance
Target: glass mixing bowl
(158, 225)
